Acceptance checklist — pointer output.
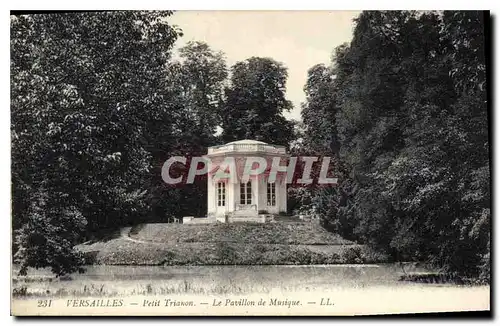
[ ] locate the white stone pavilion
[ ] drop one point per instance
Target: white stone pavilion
(235, 199)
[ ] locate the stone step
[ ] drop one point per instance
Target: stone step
(245, 213)
(260, 218)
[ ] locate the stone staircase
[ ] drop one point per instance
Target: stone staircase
(245, 215)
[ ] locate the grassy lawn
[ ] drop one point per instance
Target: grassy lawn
(227, 244)
(269, 233)
(216, 280)
(124, 252)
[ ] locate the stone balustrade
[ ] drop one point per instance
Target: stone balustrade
(247, 148)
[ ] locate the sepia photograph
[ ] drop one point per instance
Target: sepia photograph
(250, 163)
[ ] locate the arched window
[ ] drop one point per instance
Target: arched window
(246, 193)
(221, 194)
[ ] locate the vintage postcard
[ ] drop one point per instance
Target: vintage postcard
(249, 163)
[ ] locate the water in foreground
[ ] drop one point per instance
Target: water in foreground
(350, 288)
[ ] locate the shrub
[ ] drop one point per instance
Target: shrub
(227, 254)
(48, 238)
(352, 255)
(485, 268)
(169, 258)
(20, 291)
(369, 255)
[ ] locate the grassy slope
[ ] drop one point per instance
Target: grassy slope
(225, 244)
(269, 233)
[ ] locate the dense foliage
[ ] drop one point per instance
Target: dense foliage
(403, 108)
(98, 105)
(255, 102)
(84, 88)
(194, 92)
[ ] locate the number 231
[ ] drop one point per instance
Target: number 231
(44, 303)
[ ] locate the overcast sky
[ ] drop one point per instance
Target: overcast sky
(298, 39)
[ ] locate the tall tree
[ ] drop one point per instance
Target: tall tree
(255, 103)
(195, 86)
(85, 87)
(411, 122)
